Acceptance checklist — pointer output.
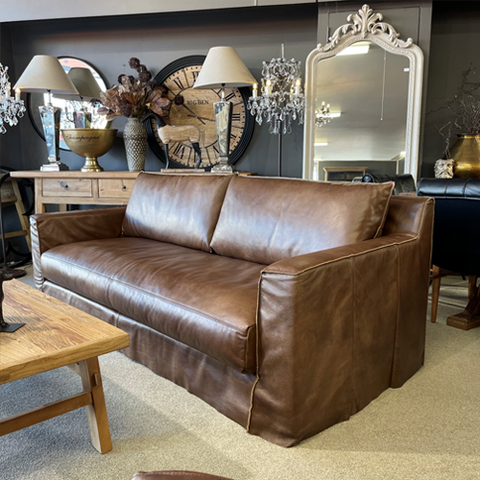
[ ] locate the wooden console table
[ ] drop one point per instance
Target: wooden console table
(75, 187)
(80, 188)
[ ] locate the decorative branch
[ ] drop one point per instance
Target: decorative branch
(134, 97)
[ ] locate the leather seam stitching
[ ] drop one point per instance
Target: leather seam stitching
(257, 332)
(338, 259)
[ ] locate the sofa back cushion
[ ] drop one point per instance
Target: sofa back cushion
(178, 209)
(265, 220)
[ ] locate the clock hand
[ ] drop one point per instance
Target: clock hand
(202, 118)
(194, 114)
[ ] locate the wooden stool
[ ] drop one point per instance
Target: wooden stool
(175, 475)
(11, 196)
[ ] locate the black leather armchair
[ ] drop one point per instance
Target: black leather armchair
(456, 240)
(404, 183)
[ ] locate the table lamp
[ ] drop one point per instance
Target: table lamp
(88, 89)
(44, 73)
(223, 68)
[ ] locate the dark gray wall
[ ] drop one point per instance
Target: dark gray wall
(454, 45)
(109, 42)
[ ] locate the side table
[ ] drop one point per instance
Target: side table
(75, 187)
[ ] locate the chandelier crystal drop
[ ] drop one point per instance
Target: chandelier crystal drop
(322, 115)
(281, 100)
(11, 109)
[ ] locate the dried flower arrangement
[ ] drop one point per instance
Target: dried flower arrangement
(133, 97)
(465, 107)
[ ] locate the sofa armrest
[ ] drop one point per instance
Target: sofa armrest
(335, 329)
(49, 230)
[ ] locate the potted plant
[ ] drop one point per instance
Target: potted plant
(133, 98)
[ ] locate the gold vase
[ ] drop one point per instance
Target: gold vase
(466, 153)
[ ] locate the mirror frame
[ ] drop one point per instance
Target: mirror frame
(367, 25)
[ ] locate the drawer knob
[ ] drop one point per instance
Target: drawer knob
(124, 188)
(64, 185)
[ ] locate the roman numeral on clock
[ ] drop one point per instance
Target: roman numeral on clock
(179, 150)
(178, 83)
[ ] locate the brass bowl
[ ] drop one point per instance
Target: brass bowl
(90, 143)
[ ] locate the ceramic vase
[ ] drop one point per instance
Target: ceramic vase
(135, 138)
(466, 153)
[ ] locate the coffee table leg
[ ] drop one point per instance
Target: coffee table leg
(97, 412)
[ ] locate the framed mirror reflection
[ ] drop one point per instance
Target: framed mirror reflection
(363, 100)
(69, 105)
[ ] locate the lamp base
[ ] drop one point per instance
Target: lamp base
(222, 166)
(11, 327)
(55, 166)
(13, 272)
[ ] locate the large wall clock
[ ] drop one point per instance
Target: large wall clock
(195, 107)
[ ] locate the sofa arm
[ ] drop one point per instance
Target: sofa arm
(49, 230)
(335, 329)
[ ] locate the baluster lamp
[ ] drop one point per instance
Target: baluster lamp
(45, 74)
(223, 68)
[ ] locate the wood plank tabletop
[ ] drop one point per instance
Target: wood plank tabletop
(55, 334)
(75, 174)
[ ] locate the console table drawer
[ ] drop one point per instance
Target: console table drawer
(71, 187)
(115, 188)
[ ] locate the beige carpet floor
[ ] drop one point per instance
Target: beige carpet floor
(428, 429)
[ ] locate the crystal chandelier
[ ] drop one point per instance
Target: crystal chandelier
(281, 100)
(322, 115)
(11, 109)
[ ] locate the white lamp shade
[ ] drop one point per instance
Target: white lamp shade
(84, 82)
(45, 73)
(224, 68)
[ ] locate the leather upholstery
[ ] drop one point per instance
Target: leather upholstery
(221, 386)
(179, 209)
(175, 475)
(352, 337)
(449, 188)
(456, 233)
(333, 328)
(264, 220)
(205, 301)
(404, 183)
(49, 230)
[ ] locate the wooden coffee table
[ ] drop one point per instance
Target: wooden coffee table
(56, 335)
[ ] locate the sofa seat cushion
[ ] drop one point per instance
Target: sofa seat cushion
(266, 220)
(203, 300)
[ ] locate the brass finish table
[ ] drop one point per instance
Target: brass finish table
(56, 335)
(79, 188)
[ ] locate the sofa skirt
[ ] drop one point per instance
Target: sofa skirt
(222, 387)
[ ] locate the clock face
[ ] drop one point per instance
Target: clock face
(195, 107)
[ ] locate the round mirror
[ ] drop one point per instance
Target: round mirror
(35, 100)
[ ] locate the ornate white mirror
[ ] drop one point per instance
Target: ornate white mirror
(363, 99)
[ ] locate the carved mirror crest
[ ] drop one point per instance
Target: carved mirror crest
(363, 98)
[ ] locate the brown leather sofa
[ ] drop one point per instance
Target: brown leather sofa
(287, 305)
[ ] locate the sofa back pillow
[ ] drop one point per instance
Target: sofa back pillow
(265, 220)
(178, 209)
